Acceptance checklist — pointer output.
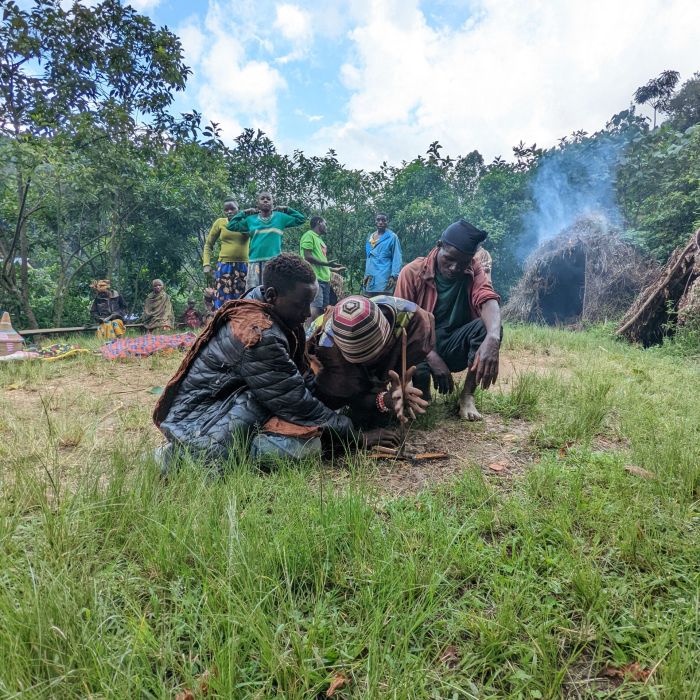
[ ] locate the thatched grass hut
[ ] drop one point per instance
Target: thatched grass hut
(671, 298)
(586, 273)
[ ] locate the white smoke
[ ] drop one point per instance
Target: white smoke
(575, 181)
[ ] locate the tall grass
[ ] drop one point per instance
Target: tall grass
(121, 584)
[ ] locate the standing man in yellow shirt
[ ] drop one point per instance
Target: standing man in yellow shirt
(232, 266)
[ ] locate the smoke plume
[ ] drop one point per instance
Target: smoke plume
(571, 182)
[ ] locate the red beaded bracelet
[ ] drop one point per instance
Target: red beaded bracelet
(381, 406)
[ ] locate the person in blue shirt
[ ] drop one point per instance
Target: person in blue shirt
(383, 262)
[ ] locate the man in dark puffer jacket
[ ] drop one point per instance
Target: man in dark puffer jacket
(245, 383)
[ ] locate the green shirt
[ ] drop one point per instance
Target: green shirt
(452, 306)
(234, 245)
(265, 233)
(313, 242)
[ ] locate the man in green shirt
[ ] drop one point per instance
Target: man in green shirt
(313, 249)
(265, 226)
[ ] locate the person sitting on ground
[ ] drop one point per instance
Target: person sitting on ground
(232, 265)
(191, 317)
(383, 264)
(356, 353)
(314, 251)
(452, 286)
(265, 227)
(158, 309)
(243, 387)
(108, 310)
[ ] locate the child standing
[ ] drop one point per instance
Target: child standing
(265, 226)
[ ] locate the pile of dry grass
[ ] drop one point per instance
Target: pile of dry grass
(672, 296)
(586, 273)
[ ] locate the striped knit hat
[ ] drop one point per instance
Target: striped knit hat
(360, 329)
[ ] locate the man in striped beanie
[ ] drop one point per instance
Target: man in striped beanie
(360, 330)
(356, 351)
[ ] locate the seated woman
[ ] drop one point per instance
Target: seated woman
(158, 309)
(108, 310)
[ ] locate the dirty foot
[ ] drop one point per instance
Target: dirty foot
(467, 408)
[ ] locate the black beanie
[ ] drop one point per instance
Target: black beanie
(463, 236)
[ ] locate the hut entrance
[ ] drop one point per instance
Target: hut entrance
(561, 299)
(587, 273)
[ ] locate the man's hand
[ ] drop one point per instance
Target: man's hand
(391, 283)
(365, 280)
(207, 269)
(251, 211)
(442, 377)
(486, 362)
(411, 403)
(284, 210)
(380, 437)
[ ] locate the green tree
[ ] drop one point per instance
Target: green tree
(62, 70)
(658, 91)
(659, 188)
(684, 106)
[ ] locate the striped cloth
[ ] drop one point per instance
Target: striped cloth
(360, 329)
(145, 345)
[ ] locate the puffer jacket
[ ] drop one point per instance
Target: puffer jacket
(231, 383)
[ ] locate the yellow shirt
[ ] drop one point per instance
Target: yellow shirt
(234, 245)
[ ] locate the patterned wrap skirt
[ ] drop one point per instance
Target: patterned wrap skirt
(230, 281)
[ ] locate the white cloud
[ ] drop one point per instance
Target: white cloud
(143, 5)
(230, 88)
(308, 117)
(533, 71)
(193, 41)
(293, 22)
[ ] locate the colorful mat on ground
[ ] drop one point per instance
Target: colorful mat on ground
(145, 345)
(60, 351)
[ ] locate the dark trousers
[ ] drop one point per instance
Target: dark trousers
(457, 348)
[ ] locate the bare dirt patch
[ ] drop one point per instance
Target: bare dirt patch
(498, 447)
(80, 410)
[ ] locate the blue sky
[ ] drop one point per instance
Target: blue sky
(381, 79)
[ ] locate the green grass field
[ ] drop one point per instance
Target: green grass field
(569, 578)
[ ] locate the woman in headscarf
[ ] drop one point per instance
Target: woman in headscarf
(108, 310)
(158, 309)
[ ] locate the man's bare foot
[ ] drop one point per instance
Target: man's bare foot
(467, 408)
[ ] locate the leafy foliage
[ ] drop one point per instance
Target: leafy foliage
(100, 180)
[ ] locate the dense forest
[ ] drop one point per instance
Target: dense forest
(100, 179)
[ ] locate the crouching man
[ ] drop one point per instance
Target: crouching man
(244, 385)
(356, 352)
(453, 286)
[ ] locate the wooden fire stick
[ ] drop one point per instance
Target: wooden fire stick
(404, 343)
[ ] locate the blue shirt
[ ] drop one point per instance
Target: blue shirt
(383, 261)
